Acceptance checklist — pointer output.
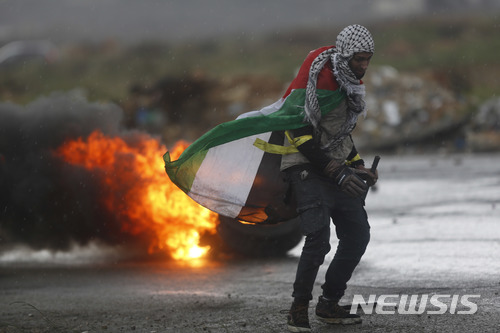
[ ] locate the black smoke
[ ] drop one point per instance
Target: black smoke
(45, 202)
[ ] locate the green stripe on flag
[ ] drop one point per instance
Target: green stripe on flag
(183, 174)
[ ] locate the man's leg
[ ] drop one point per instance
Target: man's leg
(315, 224)
(316, 246)
(312, 195)
(353, 232)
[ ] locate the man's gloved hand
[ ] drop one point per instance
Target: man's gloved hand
(367, 175)
(347, 178)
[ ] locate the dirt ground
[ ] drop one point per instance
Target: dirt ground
(237, 295)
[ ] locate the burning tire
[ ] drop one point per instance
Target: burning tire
(259, 240)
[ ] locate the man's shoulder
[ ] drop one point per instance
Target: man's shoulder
(314, 53)
(326, 79)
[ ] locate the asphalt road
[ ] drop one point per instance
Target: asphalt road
(235, 296)
(435, 233)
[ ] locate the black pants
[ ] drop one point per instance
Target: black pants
(319, 201)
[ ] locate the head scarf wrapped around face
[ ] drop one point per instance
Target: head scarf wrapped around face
(352, 39)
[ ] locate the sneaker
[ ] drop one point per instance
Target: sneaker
(330, 312)
(298, 317)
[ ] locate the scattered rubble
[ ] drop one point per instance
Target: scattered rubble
(408, 110)
(483, 134)
(405, 111)
(186, 107)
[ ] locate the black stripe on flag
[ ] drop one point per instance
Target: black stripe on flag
(269, 200)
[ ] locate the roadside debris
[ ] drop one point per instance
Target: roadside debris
(409, 111)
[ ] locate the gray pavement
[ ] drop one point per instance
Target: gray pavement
(435, 233)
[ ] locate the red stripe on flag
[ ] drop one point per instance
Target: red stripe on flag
(326, 80)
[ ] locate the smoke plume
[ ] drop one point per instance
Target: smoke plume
(44, 202)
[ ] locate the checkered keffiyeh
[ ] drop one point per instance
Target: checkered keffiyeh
(352, 39)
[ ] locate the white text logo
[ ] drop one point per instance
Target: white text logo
(415, 304)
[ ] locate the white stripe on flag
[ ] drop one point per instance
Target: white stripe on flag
(227, 174)
(265, 111)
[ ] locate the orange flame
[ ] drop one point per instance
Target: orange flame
(149, 202)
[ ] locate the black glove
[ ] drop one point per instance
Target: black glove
(348, 179)
(367, 175)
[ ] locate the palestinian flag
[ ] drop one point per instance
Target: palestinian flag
(234, 169)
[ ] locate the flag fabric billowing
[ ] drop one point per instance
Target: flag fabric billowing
(234, 169)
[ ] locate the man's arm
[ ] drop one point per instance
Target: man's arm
(309, 147)
(353, 159)
(345, 177)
